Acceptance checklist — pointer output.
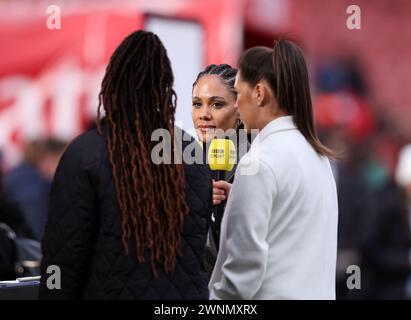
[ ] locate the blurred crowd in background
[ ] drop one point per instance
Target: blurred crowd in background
(373, 171)
(373, 176)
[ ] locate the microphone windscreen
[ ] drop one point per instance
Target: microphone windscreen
(222, 155)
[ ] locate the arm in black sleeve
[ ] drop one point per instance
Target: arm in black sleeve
(72, 227)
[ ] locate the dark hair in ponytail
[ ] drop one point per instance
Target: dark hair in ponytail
(284, 68)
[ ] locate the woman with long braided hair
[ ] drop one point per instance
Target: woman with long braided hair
(121, 226)
(138, 99)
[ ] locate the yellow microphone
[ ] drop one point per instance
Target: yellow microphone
(221, 157)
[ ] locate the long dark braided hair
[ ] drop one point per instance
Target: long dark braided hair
(138, 97)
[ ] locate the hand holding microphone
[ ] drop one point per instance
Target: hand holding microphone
(221, 190)
(222, 156)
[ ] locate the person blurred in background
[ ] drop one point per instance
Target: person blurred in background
(11, 217)
(372, 229)
(403, 179)
(213, 107)
(29, 183)
(353, 197)
(385, 237)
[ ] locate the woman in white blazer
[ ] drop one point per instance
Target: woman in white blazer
(279, 232)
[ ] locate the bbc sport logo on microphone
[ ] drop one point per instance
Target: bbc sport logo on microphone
(222, 153)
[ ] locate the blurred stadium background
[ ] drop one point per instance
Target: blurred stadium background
(50, 79)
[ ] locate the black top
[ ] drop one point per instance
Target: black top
(83, 233)
(213, 240)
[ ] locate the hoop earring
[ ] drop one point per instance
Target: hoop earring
(239, 123)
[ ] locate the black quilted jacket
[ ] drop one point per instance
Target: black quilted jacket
(83, 234)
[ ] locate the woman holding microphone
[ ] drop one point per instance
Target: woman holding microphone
(279, 230)
(213, 108)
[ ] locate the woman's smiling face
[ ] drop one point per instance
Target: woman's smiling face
(213, 107)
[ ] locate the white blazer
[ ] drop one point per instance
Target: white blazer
(279, 230)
